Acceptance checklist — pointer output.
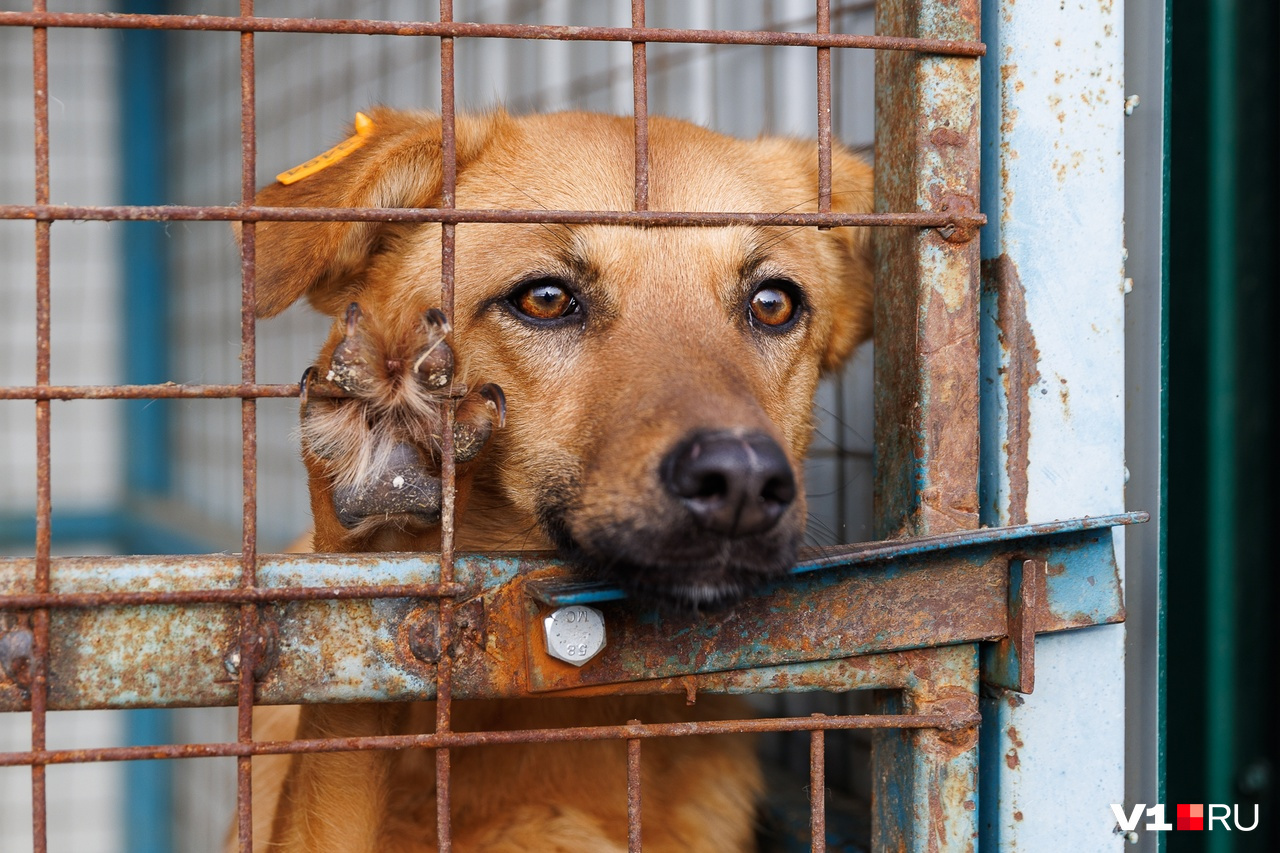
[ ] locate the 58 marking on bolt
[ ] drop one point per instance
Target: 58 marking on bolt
(574, 634)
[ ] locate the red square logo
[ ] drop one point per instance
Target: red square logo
(1191, 816)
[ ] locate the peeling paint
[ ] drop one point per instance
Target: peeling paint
(1021, 374)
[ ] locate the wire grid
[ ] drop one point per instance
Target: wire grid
(248, 390)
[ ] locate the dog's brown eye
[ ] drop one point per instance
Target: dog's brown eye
(545, 299)
(773, 304)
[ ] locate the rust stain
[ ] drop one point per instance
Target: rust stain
(1011, 759)
(1000, 276)
(1013, 736)
(1017, 815)
(946, 136)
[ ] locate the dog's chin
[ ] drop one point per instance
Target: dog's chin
(695, 573)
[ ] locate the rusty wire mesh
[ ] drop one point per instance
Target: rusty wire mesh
(43, 213)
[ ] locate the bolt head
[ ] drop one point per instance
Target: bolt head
(574, 634)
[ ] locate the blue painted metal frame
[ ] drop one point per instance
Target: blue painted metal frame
(1054, 394)
(892, 597)
(864, 553)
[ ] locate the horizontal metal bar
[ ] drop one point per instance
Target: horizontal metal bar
(274, 595)
(912, 601)
(462, 29)
(163, 391)
(452, 739)
(170, 634)
(862, 553)
(253, 213)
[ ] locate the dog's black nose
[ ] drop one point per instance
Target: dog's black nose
(734, 484)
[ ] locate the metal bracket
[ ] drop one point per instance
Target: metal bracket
(1010, 662)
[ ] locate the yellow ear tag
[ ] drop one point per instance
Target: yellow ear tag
(364, 127)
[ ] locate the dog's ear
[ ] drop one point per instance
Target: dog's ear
(397, 164)
(851, 192)
(847, 251)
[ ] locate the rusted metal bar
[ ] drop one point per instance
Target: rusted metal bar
(910, 603)
(40, 623)
(927, 393)
(862, 553)
(942, 721)
(448, 466)
(249, 648)
(927, 156)
(634, 837)
(817, 789)
(926, 782)
(823, 26)
(258, 595)
(461, 29)
(169, 390)
(951, 219)
(640, 107)
(176, 572)
(364, 650)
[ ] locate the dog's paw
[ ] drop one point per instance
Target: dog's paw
(373, 422)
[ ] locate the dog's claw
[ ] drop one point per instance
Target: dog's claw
(435, 318)
(434, 362)
(493, 393)
(479, 414)
(353, 317)
(349, 366)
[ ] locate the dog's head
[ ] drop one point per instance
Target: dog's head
(659, 380)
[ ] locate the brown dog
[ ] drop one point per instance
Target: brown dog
(659, 385)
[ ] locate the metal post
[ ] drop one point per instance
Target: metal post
(1053, 406)
(926, 406)
(926, 780)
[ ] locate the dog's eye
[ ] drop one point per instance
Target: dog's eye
(544, 299)
(774, 303)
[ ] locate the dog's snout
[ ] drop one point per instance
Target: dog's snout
(733, 484)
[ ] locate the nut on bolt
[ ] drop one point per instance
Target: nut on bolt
(574, 634)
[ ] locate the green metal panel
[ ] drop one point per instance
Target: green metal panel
(1222, 686)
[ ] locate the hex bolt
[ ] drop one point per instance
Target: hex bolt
(15, 656)
(263, 652)
(422, 634)
(574, 634)
(231, 663)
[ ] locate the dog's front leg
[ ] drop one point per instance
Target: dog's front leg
(336, 801)
(372, 424)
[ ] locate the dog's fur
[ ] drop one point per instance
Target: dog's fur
(662, 347)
